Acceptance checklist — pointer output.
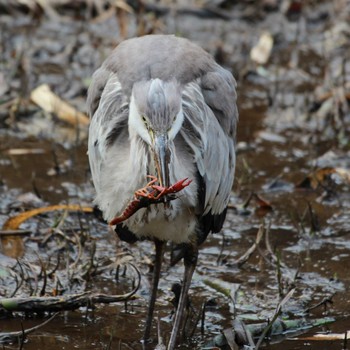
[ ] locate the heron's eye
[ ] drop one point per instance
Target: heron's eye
(172, 123)
(145, 120)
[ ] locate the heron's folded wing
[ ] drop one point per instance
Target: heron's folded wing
(209, 130)
(108, 108)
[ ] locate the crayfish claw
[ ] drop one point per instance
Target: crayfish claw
(184, 183)
(179, 185)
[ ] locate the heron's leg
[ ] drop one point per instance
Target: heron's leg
(156, 273)
(190, 261)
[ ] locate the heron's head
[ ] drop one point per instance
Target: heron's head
(156, 116)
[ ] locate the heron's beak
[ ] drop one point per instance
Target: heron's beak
(162, 158)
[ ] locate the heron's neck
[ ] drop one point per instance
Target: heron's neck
(135, 124)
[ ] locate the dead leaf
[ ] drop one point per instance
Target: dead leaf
(262, 202)
(122, 4)
(51, 103)
(14, 222)
(343, 173)
(319, 176)
(260, 53)
(271, 137)
(24, 151)
(328, 336)
(230, 338)
(12, 245)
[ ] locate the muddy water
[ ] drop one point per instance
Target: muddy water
(321, 258)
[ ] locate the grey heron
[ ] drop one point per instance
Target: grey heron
(160, 105)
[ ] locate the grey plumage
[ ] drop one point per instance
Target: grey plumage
(179, 91)
(208, 91)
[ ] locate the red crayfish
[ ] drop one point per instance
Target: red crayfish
(150, 194)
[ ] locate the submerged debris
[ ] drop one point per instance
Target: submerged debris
(244, 334)
(20, 336)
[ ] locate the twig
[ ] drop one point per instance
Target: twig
(19, 336)
(65, 302)
(244, 334)
(80, 252)
(229, 334)
(274, 318)
(324, 302)
(43, 271)
(244, 258)
(61, 303)
(15, 232)
(52, 272)
(275, 259)
(18, 285)
(160, 345)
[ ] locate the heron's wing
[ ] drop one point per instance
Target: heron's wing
(210, 110)
(108, 108)
(219, 91)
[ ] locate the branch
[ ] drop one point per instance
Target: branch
(65, 302)
(14, 337)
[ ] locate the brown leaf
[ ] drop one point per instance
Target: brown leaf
(319, 176)
(50, 102)
(260, 53)
(24, 151)
(262, 202)
(14, 222)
